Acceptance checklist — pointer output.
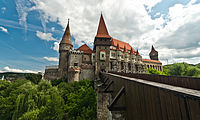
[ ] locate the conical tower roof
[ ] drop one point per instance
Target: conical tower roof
(153, 49)
(118, 48)
(125, 50)
(102, 31)
(131, 52)
(137, 53)
(66, 39)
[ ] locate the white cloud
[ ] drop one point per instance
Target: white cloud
(56, 46)
(53, 29)
(55, 59)
(8, 69)
(128, 21)
(45, 36)
(3, 9)
(3, 29)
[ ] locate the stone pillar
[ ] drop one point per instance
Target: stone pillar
(102, 106)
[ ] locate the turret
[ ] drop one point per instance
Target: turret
(64, 47)
(66, 42)
(102, 37)
(153, 54)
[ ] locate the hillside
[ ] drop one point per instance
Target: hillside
(14, 76)
(182, 69)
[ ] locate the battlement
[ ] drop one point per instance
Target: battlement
(52, 67)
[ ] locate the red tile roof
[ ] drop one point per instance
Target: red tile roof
(152, 61)
(102, 30)
(121, 44)
(85, 49)
(102, 50)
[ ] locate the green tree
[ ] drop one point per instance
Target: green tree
(183, 69)
(35, 78)
(154, 71)
(80, 100)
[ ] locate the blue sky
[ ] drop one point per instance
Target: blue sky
(30, 30)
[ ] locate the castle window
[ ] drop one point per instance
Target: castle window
(122, 65)
(113, 54)
(102, 55)
(129, 66)
(75, 64)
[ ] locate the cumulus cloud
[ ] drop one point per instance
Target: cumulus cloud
(3, 9)
(129, 21)
(8, 69)
(56, 46)
(54, 59)
(3, 29)
(45, 36)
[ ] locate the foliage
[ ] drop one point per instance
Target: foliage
(35, 78)
(183, 69)
(56, 82)
(24, 100)
(80, 100)
(30, 101)
(154, 71)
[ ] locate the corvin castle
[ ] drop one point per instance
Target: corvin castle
(108, 54)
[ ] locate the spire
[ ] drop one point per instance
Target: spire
(66, 39)
(152, 48)
(102, 30)
(118, 48)
(125, 50)
(137, 53)
(131, 52)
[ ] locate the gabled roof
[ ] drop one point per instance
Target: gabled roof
(121, 44)
(151, 61)
(102, 31)
(85, 49)
(66, 39)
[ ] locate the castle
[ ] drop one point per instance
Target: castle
(108, 54)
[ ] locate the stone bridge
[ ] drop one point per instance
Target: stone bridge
(128, 96)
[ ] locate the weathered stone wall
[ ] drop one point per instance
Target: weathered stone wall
(51, 74)
(87, 73)
(102, 106)
(75, 58)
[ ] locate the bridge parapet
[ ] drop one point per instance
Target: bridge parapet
(139, 99)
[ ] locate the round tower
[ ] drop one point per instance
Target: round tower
(153, 54)
(64, 47)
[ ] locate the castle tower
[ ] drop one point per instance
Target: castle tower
(64, 47)
(102, 43)
(153, 54)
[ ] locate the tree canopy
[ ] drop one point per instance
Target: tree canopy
(178, 69)
(26, 100)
